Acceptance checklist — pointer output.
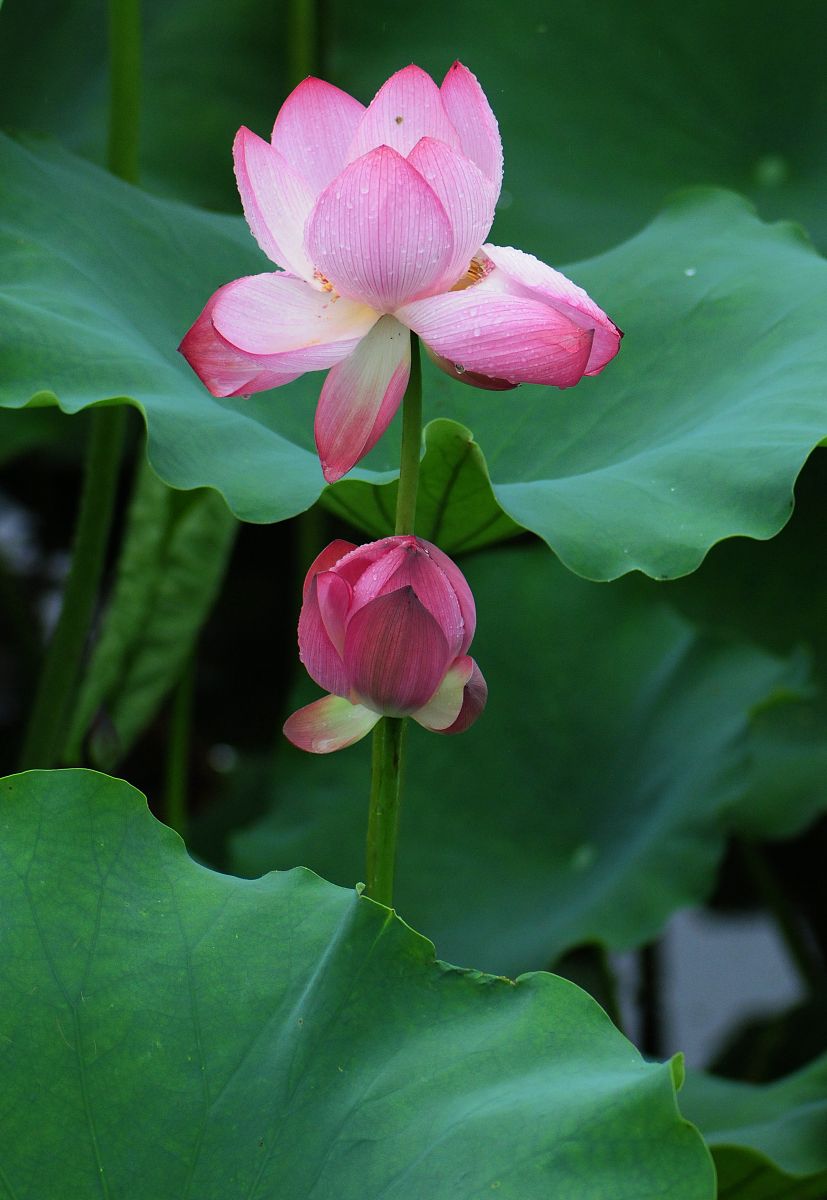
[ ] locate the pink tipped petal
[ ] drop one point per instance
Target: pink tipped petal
(222, 368)
(444, 707)
(473, 702)
(360, 396)
(321, 658)
(314, 128)
(467, 196)
(502, 336)
(333, 596)
(329, 724)
(461, 590)
(379, 233)
(406, 108)
(522, 274)
(325, 560)
(471, 116)
(288, 323)
(395, 654)
(277, 201)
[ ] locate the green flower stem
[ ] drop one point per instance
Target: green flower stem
(389, 735)
(178, 746)
(49, 719)
(650, 999)
(302, 40)
(124, 88)
(411, 445)
(389, 738)
(802, 954)
(48, 723)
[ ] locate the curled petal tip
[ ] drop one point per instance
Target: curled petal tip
(475, 697)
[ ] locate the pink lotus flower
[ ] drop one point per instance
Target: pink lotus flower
(385, 628)
(378, 217)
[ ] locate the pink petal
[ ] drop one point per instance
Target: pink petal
(521, 274)
(473, 702)
(360, 396)
(277, 201)
(369, 572)
(288, 323)
(407, 561)
(325, 560)
(406, 108)
(322, 660)
(395, 654)
(502, 336)
(472, 378)
(333, 595)
(471, 116)
(314, 128)
(433, 590)
(467, 196)
(379, 233)
(369, 557)
(460, 588)
(222, 368)
(444, 707)
(329, 724)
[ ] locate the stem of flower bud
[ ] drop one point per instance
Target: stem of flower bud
(389, 735)
(385, 794)
(411, 445)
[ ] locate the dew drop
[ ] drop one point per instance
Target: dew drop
(690, 271)
(459, 368)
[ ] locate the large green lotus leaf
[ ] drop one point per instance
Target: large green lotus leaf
(770, 1141)
(591, 799)
(695, 433)
(601, 116)
(168, 1032)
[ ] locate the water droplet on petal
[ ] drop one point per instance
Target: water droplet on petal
(459, 368)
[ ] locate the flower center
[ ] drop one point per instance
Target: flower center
(479, 266)
(327, 286)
